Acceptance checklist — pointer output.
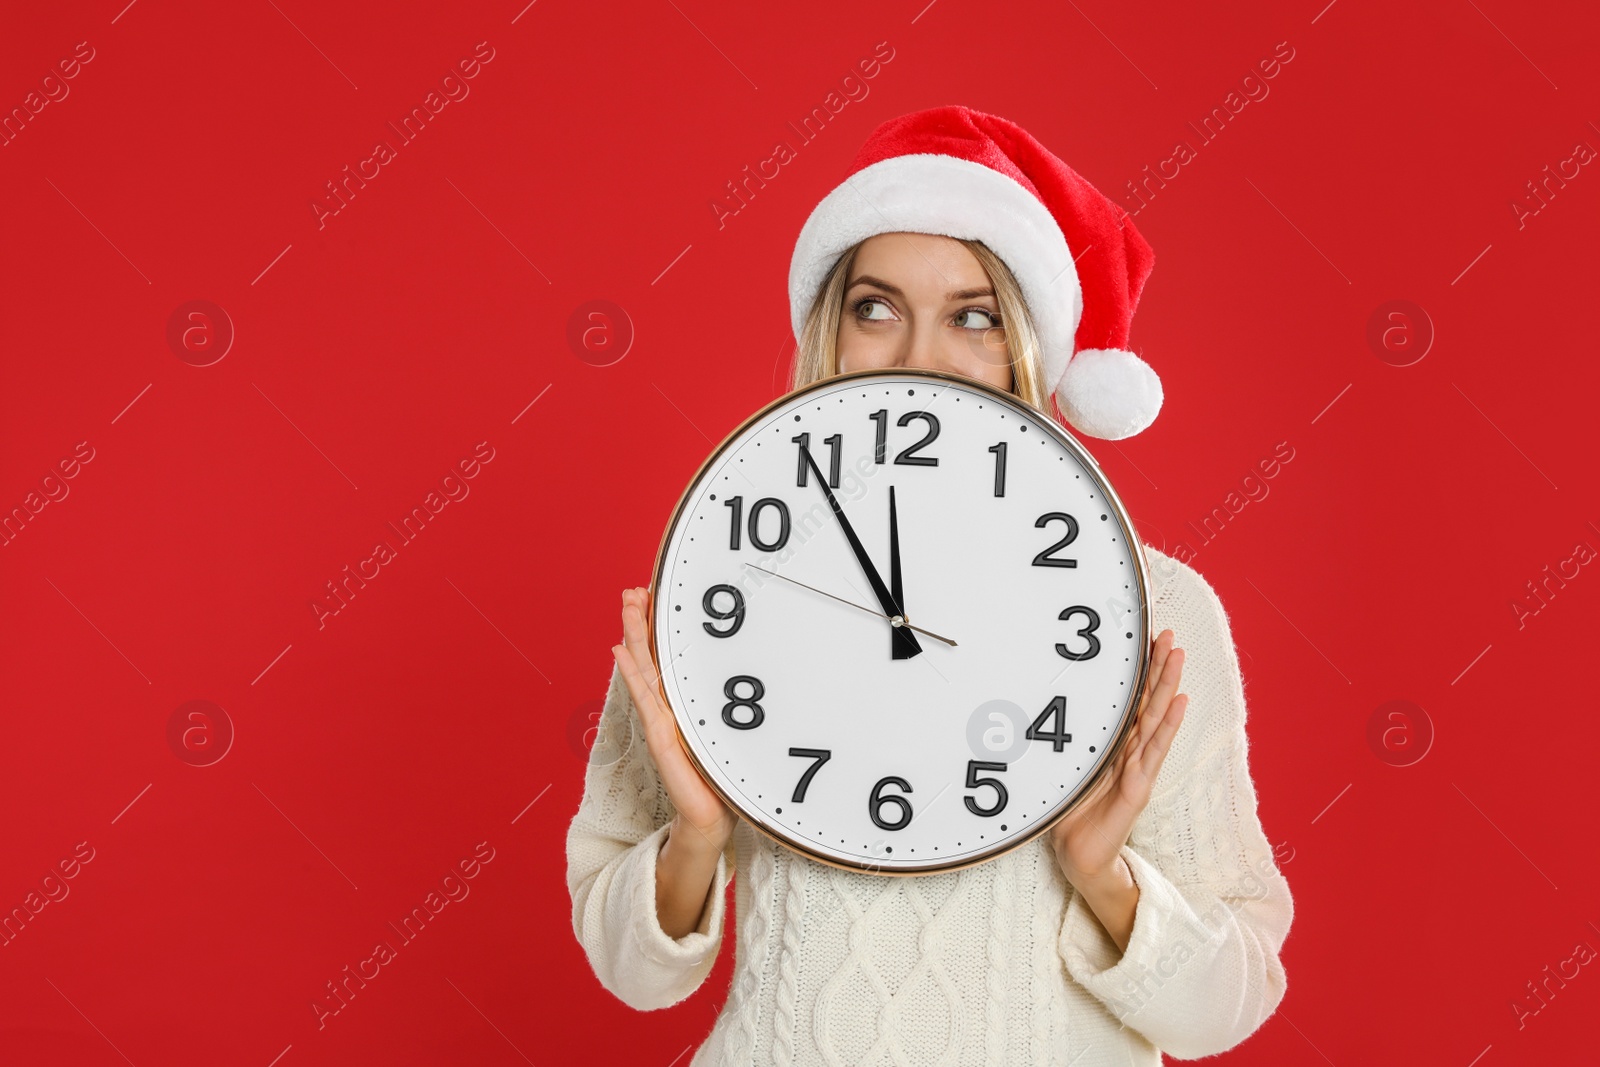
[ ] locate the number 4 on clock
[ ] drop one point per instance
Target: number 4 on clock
(1042, 731)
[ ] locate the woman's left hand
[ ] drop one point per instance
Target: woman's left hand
(1089, 839)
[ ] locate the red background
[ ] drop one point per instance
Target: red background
(440, 707)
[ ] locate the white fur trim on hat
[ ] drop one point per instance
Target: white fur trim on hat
(1109, 393)
(928, 193)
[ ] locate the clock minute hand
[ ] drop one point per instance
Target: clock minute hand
(905, 642)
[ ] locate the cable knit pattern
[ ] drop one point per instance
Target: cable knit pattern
(794, 911)
(994, 965)
(761, 880)
(999, 963)
(1041, 1020)
(922, 1001)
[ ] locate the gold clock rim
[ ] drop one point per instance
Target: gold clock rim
(1125, 723)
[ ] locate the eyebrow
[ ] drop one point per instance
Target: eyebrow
(960, 294)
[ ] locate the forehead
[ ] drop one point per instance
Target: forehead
(918, 259)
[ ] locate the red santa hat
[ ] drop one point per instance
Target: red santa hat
(1075, 253)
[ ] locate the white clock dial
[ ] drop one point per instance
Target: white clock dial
(980, 523)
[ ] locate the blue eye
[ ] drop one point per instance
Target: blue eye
(990, 319)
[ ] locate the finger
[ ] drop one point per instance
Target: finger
(629, 597)
(660, 729)
(635, 636)
(637, 640)
(643, 699)
(1135, 744)
(1155, 707)
(1158, 712)
(1109, 784)
(630, 604)
(1136, 741)
(1155, 753)
(661, 732)
(1159, 648)
(1166, 679)
(1131, 745)
(1171, 674)
(683, 782)
(634, 597)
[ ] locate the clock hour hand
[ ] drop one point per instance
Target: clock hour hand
(896, 589)
(905, 644)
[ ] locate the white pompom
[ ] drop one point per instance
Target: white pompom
(1109, 393)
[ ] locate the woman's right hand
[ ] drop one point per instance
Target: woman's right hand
(699, 808)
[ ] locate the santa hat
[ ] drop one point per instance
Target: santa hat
(1076, 255)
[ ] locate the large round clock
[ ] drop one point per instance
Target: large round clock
(902, 621)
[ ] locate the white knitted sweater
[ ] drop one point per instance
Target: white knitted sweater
(998, 964)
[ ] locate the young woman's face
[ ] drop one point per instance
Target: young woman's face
(923, 301)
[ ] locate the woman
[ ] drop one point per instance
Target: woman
(1150, 918)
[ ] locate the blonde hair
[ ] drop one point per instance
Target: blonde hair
(818, 355)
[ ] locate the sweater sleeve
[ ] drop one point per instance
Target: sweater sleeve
(1202, 971)
(612, 845)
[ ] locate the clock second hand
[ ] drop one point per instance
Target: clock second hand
(853, 604)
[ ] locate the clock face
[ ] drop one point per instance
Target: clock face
(1023, 598)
